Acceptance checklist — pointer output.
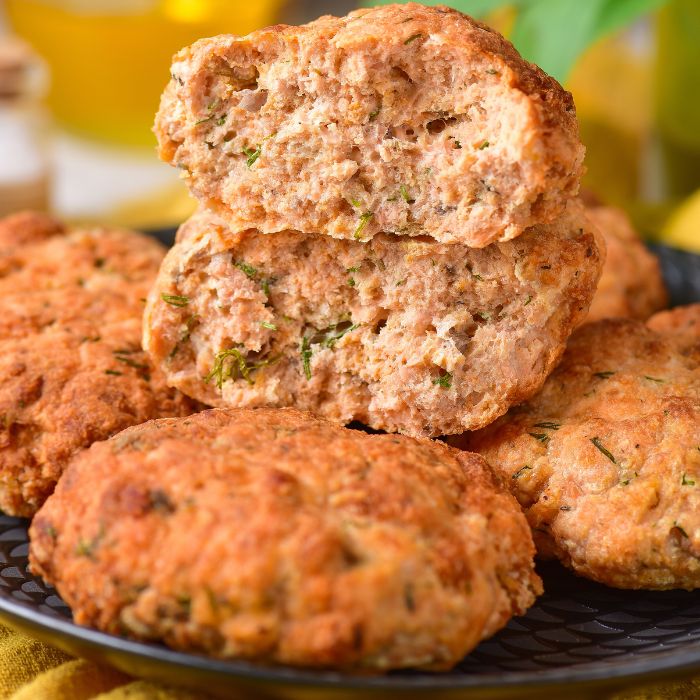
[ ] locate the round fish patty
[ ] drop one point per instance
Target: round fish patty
(631, 285)
(403, 335)
(606, 459)
(273, 535)
(72, 370)
(404, 119)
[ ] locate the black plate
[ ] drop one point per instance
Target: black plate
(578, 638)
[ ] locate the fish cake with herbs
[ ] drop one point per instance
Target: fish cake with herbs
(402, 119)
(276, 536)
(605, 460)
(410, 336)
(631, 285)
(72, 370)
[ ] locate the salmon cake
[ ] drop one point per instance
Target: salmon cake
(401, 119)
(409, 336)
(631, 285)
(72, 370)
(276, 536)
(606, 459)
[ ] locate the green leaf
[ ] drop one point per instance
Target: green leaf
(554, 33)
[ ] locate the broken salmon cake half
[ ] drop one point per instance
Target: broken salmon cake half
(404, 335)
(402, 119)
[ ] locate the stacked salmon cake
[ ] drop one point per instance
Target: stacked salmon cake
(389, 231)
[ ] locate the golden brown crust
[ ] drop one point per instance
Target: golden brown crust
(277, 536)
(631, 285)
(412, 336)
(71, 366)
(417, 118)
(606, 459)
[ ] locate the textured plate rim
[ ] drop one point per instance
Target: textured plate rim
(677, 661)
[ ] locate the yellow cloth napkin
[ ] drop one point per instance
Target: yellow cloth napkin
(30, 670)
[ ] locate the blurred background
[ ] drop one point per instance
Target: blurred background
(80, 82)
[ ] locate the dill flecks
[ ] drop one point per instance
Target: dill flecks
(248, 270)
(129, 362)
(685, 481)
(654, 379)
(403, 191)
(547, 425)
(444, 380)
(254, 153)
(603, 375)
(330, 341)
(113, 372)
(483, 145)
(596, 441)
(412, 38)
(680, 529)
(206, 119)
(521, 471)
(267, 324)
(175, 299)
(374, 113)
(542, 437)
(306, 353)
(528, 300)
(228, 364)
(364, 220)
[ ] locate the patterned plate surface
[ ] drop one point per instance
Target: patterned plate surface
(579, 635)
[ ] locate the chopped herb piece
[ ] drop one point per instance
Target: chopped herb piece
(474, 275)
(364, 220)
(685, 481)
(131, 363)
(400, 283)
(484, 144)
(548, 425)
(403, 191)
(267, 324)
(492, 71)
(521, 471)
(175, 299)
(355, 202)
(113, 372)
(51, 531)
(206, 119)
(408, 19)
(306, 353)
(246, 269)
(411, 38)
(339, 330)
(483, 315)
(84, 549)
(680, 529)
(409, 600)
(546, 267)
(653, 379)
(457, 144)
(221, 121)
(542, 437)
(351, 282)
(528, 300)
(355, 268)
(605, 451)
(228, 364)
(603, 375)
(374, 113)
(255, 153)
(444, 380)
(565, 508)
